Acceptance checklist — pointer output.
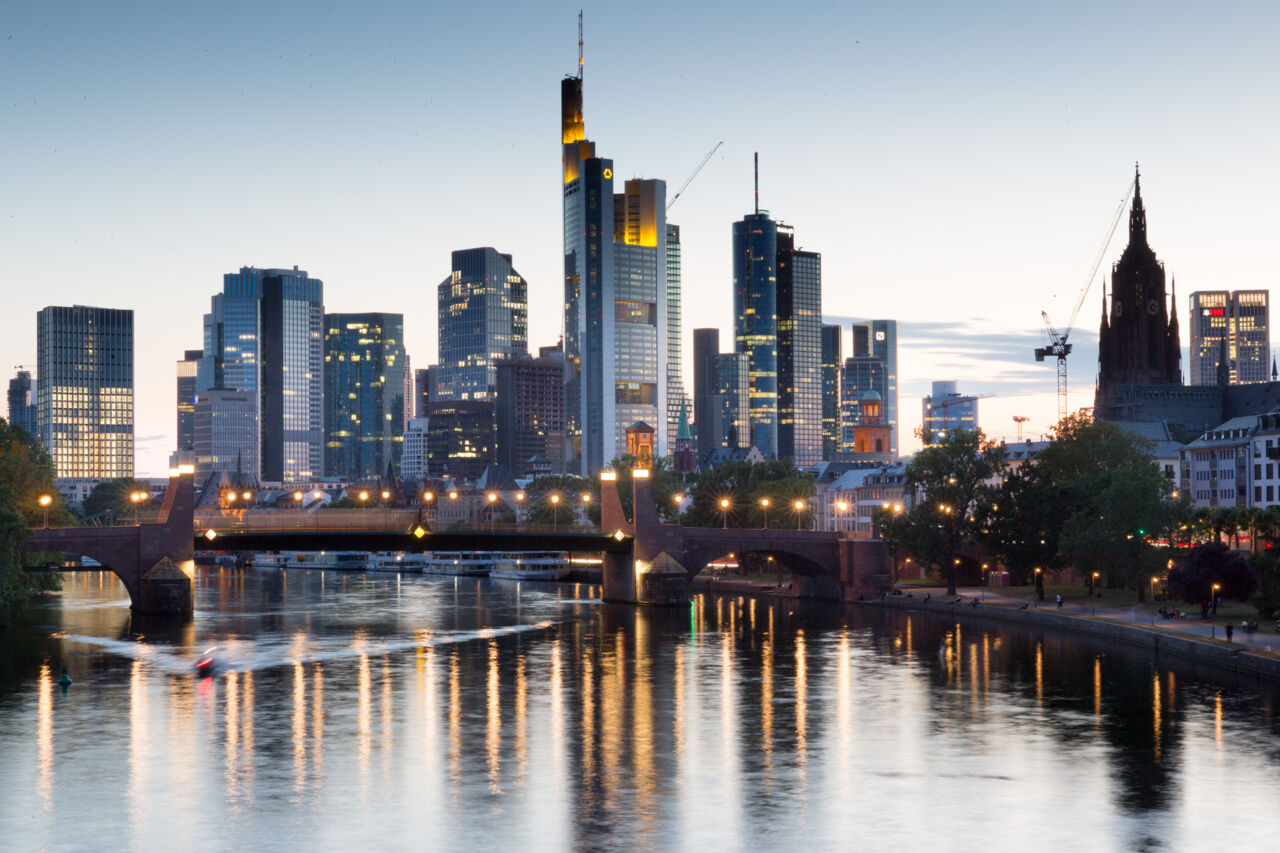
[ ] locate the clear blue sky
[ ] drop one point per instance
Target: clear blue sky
(956, 164)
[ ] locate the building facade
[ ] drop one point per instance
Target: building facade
(364, 382)
(84, 390)
(187, 371)
(529, 408)
(676, 397)
(1236, 324)
(225, 434)
(708, 408)
(800, 378)
(22, 407)
(413, 459)
(831, 359)
(947, 409)
(872, 366)
(755, 318)
(264, 335)
(461, 439)
(484, 318)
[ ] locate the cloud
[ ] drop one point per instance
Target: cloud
(150, 439)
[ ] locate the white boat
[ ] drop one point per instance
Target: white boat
(465, 563)
(398, 561)
(345, 560)
(531, 566)
(272, 561)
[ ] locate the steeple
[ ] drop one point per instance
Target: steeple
(1137, 214)
(683, 432)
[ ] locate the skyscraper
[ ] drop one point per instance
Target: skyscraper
(872, 366)
(188, 370)
(676, 398)
(616, 279)
(22, 407)
(225, 434)
(264, 335)
(364, 381)
(1238, 322)
(708, 407)
(755, 319)
(484, 318)
(529, 407)
(799, 351)
(1138, 344)
(84, 390)
(947, 409)
(733, 372)
(831, 358)
(460, 439)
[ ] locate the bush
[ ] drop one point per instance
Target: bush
(1209, 564)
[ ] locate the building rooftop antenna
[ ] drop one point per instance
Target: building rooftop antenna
(757, 183)
(579, 44)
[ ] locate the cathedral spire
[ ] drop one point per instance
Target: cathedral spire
(1137, 214)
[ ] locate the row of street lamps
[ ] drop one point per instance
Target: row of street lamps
(798, 505)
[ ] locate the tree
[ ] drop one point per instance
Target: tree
(26, 473)
(569, 489)
(1206, 565)
(743, 485)
(954, 475)
(114, 495)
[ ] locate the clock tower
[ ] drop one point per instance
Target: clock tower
(1138, 344)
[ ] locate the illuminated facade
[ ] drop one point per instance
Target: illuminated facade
(676, 398)
(947, 409)
(1236, 323)
(22, 408)
(264, 335)
(484, 318)
(831, 358)
(733, 376)
(755, 313)
(364, 382)
(799, 352)
(225, 434)
(616, 296)
(872, 366)
(461, 439)
(84, 390)
(187, 371)
(529, 407)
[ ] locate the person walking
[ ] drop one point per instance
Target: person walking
(1059, 601)
(1230, 631)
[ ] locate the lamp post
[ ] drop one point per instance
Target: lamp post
(841, 507)
(492, 497)
(798, 506)
(724, 513)
(1216, 587)
(136, 498)
(428, 497)
(555, 512)
(1153, 587)
(1093, 579)
(364, 508)
(45, 500)
(1039, 585)
(764, 504)
(519, 501)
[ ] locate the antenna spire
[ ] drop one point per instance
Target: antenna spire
(757, 183)
(579, 44)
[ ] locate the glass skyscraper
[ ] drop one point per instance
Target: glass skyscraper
(264, 336)
(188, 371)
(84, 390)
(676, 398)
(873, 366)
(364, 382)
(22, 407)
(1236, 324)
(755, 313)
(947, 409)
(484, 318)
(799, 276)
(831, 358)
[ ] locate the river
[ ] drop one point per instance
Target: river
(364, 711)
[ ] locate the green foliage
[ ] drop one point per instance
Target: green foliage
(663, 482)
(114, 495)
(570, 489)
(26, 473)
(744, 485)
(953, 474)
(1266, 567)
(1213, 563)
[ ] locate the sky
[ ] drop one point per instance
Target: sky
(957, 165)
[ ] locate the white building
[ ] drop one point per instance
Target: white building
(413, 458)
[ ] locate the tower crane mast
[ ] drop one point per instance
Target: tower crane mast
(1058, 346)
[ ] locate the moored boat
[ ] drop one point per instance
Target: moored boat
(464, 563)
(344, 560)
(531, 566)
(397, 561)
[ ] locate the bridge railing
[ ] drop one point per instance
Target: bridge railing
(356, 521)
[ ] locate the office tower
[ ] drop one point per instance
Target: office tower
(413, 460)
(1138, 344)
(947, 409)
(799, 275)
(226, 434)
(264, 335)
(872, 366)
(410, 405)
(460, 439)
(423, 390)
(676, 398)
(615, 268)
(733, 372)
(22, 408)
(755, 313)
(364, 379)
(84, 390)
(484, 318)
(708, 407)
(1237, 321)
(187, 371)
(831, 358)
(529, 408)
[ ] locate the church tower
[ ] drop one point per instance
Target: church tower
(1139, 342)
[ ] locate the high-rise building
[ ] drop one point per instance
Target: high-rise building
(872, 366)
(755, 318)
(1236, 322)
(22, 407)
(799, 276)
(529, 407)
(264, 335)
(413, 460)
(616, 281)
(484, 318)
(947, 409)
(188, 369)
(831, 358)
(226, 434)
(84, 390)
(733, 371)
(708, 407)
(423, 390)
(460, 439)
(1138, 344)
(364, 380)
(676, 398)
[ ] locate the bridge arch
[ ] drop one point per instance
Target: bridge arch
(811, 578)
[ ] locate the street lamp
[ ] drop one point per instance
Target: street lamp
(764, 504)
(519, 501)
(1039, 584)
(493, 506)
(1154, 579)
(555, 511)
(248, 496)
(724, 513)
(1216, 587)
(135, 498)
(842, 507)
(45, 500)
(798, 506)
(1093, 579)
(364, 507)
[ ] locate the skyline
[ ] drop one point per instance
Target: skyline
(971, 152)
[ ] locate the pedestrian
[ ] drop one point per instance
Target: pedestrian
(1059, 601)
(1230, 630)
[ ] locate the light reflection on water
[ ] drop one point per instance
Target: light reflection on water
(434, 713)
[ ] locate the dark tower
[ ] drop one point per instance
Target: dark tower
(1138, 343)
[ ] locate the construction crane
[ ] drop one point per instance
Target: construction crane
(693, 175)
(956, 401)
(1020, 420)
(1058, 346)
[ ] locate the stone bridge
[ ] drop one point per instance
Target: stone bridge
(665, 557)
(154, 560)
